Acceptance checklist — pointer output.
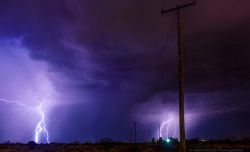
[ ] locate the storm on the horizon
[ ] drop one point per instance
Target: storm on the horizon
(100, 66)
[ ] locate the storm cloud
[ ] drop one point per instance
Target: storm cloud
(106, 70)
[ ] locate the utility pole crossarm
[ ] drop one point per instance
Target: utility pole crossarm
(178, 7)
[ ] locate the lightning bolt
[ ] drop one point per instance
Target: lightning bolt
(40, 109)
(167, 123)
(41, 126)
(174, 130)
(167, 130)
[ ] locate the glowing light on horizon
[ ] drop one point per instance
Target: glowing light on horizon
(40, 109)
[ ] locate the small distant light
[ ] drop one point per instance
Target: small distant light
(168, 140)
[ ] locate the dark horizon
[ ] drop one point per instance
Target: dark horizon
(94, 67)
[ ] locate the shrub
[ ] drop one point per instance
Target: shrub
(32, 144)
(7, 142)
(153, 140)
(76, 142)
(106, 140)
(88, 142)
(161, 141)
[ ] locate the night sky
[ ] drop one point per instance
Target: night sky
(101, 65)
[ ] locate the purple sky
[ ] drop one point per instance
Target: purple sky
(91, 62)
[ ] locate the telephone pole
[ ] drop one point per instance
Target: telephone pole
(135, 131)
(159, 131)
(177, 10)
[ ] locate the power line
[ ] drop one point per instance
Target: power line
(231, 104)
(173, 44)
(154, 47)
(221, 111)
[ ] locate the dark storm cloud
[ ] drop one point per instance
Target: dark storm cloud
(39, 25)
(217, 55)
(100, 51)
(98, 54)
(112, 37)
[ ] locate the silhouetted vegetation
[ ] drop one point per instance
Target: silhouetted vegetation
(107, 144)
(153, 141)
(173, 141)
(194, 141)
(197, 141)
(32, 144)
(161, 141)
(7, 142)
(106, 141)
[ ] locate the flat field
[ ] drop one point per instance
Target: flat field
(119, 147)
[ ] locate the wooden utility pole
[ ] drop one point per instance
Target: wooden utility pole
(135, 131)
(159, 131)
(181, 89)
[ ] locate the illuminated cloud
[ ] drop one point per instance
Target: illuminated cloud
(92, 61)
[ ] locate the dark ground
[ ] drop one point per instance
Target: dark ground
(121, 147)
